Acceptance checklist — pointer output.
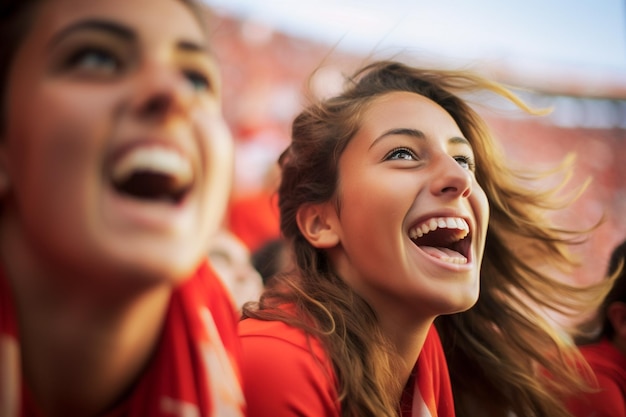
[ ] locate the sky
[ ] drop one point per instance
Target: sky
(531, 35)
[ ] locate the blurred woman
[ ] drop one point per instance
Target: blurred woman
(115, 166)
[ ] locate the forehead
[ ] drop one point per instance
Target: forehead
(407, 110)
(398, 105)
(165, 18)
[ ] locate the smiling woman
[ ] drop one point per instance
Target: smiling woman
(115, 164)
(402, 215)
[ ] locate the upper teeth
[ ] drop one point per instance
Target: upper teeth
(440, 223)
(155, 159)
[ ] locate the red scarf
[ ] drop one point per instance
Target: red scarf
(430, 383)
(195, 369)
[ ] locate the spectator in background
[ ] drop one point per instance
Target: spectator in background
(398, 208)
(606, 354)
(273, 258)
(115, 165)
(253, 217)
(231, 260)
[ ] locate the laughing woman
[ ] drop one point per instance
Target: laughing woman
(115, 165)
(400, 211)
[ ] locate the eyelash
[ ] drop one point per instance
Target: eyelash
(78, 59)
(461, 159)
(107, 61)
(471, 164)
(394, 152)
(196, 76)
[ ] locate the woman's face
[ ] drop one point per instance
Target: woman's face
(116, 152)
(412, 220)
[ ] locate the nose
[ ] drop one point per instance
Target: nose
(451, 179)
(160, 91)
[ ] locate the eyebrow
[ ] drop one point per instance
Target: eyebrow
(416, 134)
(119, 31)
(399, 131)
(114, 28)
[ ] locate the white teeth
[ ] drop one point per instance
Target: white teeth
(155, 159)
(452, 260)
(440, 223)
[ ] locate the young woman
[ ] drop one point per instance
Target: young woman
(114, 173)
(400, 210)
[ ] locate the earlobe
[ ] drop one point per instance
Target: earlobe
(316, 224)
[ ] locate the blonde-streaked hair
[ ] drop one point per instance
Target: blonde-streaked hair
(503, 355)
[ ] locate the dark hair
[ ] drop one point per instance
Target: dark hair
(618, 292)
(16, 17)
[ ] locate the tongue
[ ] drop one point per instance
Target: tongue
(441, 252)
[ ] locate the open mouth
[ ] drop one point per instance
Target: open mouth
(445, 238)
(153, 174)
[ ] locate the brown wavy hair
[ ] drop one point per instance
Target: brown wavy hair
(504, 354)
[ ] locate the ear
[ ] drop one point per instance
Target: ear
(616, 313)
(317, 222)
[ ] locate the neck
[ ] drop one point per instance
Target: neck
(82, 345)
(85, 359)
(407, 335)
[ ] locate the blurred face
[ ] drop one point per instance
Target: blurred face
(231, 260)
(412, 220)
(116, 151)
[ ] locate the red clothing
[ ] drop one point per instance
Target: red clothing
(254, 219)
(609, 366)
(194, 371)
(285, 375)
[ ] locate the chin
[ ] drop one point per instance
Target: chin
(466, 301)
(163, 264)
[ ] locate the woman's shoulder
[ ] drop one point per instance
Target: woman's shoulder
(277, 334)
(285, 371)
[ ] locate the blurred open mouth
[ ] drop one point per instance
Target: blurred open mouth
(152, 173)
(445, 238)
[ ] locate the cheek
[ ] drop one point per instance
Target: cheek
(50, 164)
(56, 135)
(217, 165)
(480, 206)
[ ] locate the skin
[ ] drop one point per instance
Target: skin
(390, 179)
(231, 260)
(91, 267)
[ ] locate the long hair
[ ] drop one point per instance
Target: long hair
(494, 349)
(616, 271)
(599, 326)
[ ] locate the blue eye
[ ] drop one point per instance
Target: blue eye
(466, 162)
(198, 81)
(401, 153)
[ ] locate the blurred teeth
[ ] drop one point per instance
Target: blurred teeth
(156, 159)
(453, 223)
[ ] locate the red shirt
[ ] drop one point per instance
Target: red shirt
(195, 370)
(287, 375)
(609, 366)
